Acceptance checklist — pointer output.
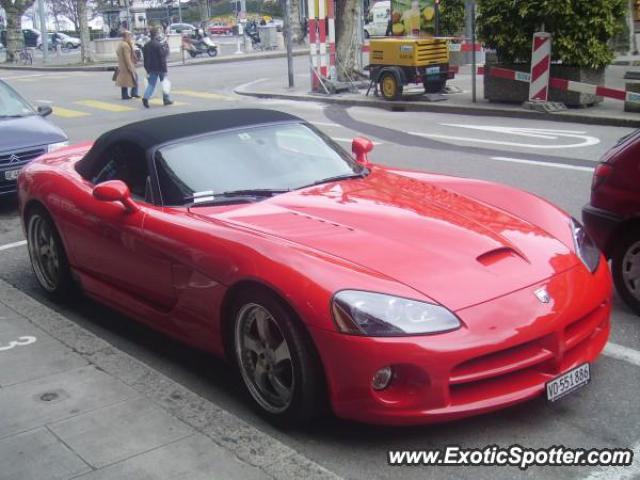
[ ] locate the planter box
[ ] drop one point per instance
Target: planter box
(511, 91)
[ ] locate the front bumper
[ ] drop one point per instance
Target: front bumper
(504, 354)
(601, 224)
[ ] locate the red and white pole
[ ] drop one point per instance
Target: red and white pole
(313, 47)
(540, 64)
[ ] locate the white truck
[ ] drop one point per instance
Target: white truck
(378, 19)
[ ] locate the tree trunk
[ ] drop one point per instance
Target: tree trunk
(85, 47)
(297, 33)
(15, 38)
(346, 38)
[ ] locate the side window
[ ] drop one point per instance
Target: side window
(126, 161)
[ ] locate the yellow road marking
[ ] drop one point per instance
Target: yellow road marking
(110, 107)
(66, 113)
(208, 95)
(158, 101)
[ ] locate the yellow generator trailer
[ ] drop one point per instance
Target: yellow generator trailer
(398, 61)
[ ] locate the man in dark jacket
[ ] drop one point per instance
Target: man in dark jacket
(155, 63)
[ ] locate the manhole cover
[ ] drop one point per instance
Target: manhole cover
(49, 396)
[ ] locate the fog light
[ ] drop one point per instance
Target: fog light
(382, 378)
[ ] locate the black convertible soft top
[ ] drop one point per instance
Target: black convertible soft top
(156, 131)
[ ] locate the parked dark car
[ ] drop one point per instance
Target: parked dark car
(31, 37)
(25, 136)
(612, 218)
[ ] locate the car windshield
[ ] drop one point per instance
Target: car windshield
(12, 104)
(251, 161)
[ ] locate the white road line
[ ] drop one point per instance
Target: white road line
(586, 143)
(349, 140)
(245, 85)
(544, 164)
(325, 124)
(13, 245)
(619, 473)
(625, 354)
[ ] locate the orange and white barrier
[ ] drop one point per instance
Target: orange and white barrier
(540, 64)
(563, 84)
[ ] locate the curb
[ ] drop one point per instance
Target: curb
(107, 67)
(412, 106)
(246, 442)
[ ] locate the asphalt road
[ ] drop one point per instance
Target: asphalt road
(553, 160)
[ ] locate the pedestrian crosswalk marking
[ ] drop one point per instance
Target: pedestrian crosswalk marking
(208, 95)
(67, 113)
(110, 107)
(158, 101)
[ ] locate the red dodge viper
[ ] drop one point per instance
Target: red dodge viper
(396, 297)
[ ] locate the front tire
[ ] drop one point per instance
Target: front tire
(48, 258)
(212, 52)
(276, 359)
(625, 264)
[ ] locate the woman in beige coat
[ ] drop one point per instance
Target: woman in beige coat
(127, 76)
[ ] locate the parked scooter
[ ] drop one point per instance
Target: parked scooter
(200, 45)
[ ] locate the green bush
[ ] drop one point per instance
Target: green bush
(581, 29)
(451, 17)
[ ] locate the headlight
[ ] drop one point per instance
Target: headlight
(378, 315)
(585, 247)
(55, 146)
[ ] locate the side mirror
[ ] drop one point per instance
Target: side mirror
(44, 110)
(115, 191)
(360, 146)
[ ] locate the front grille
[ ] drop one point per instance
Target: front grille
(524, 363)
(20, 157)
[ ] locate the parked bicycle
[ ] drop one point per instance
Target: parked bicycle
(23, 56)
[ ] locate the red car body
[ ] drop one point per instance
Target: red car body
(220, 29)
(480, 249)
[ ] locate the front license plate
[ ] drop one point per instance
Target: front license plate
(568, 382)
(433, 70)
(11, 174)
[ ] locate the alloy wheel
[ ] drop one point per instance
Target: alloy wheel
(264, 358)
(44, 252)
(631, 269)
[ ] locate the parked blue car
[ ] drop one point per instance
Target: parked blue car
(24, 135)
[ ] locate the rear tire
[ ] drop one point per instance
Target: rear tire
(276, 359)
(434, 87)
(48, 258)
(625, 266)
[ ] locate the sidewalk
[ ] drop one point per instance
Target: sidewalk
(71, 61)
(73, 406)
(609, 112)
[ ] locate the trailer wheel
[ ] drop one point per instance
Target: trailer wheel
(390, 87)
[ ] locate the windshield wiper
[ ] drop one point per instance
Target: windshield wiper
(255, 192)
(361, 174)
(209, 197)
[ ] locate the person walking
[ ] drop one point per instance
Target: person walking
(126, 78)
(155, 63)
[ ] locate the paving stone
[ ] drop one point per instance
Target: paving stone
(65, 395)
(192, 458)
(38, 455)
(45, 356)
(297, 466)
(111, 434)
